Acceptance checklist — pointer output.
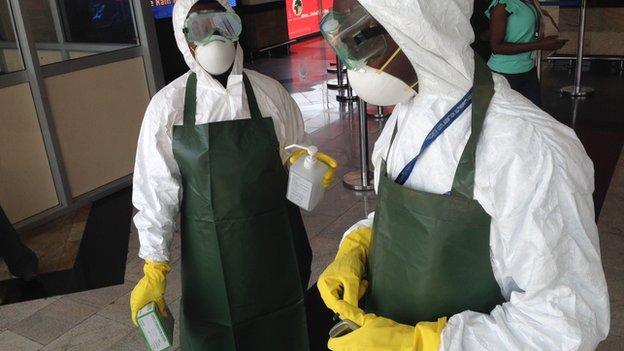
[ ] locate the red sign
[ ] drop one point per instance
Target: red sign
(304, 16)
(327, 5)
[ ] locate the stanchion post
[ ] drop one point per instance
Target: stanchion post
(379, 115)
(339, 74)
(350, 98)
(363, 143)
(577, 90)
(539, 65)
(361, 180)
(349, 90)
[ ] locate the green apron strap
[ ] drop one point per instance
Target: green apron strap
(251, 99)
(190, 100)
(483, 91)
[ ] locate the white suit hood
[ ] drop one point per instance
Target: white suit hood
(180, 12)
(435, 36)
(532, 176)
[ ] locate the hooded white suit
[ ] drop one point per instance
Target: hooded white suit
(533, 178)
(156, 191)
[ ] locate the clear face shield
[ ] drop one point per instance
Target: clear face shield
(204, 26)
(379, 72)
(354, 34)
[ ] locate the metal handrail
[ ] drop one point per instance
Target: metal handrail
(95, 47)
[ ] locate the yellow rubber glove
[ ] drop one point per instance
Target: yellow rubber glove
(341, 284)
(150, 288)
(382, 334)
(330, 175)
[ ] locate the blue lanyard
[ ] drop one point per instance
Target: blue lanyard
(437, 130)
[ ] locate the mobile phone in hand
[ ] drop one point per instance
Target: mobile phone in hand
(343, 328)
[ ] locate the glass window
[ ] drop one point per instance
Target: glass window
(10, 55)
(68, 29)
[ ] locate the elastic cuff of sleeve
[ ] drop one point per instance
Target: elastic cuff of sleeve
(154, 255)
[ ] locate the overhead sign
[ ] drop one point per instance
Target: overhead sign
(164, 8)
(304, 16)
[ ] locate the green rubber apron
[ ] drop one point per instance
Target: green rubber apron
(430, 253)
(245, 253)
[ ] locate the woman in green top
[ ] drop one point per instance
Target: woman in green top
(514, 35)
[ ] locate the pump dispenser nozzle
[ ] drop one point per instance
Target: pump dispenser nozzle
(312, 150)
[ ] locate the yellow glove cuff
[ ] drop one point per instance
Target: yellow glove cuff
(156, 267)
(428, 334)
(359, 239)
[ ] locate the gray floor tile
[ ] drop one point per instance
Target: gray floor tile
(318, 138)
(356, 213)
(315, 223)
(324, 250)
(134, 268)
(118, 310)
(612, 248)
(346, 164)
(611, 219)
(617, 319)
(53, 320)
(100, 298)
(615, 282)
(613, 343)
(174, 307)
(613, 223)
(329, 133)
(14, 342)
(14, 313)
(95, 333)
(337, 200)
(133, 341)
(133, 241)
(316, 95)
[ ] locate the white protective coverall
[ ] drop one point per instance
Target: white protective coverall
(533, 178)
(156, 190)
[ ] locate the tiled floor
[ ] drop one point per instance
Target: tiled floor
(99, 319)
(56, 243)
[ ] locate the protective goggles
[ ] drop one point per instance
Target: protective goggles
(201, 26)
(355, 36)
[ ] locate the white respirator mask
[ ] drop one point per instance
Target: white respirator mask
(379, 88)
(217, 56)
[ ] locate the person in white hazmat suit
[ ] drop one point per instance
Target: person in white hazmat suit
(485, 240)
(211, 149)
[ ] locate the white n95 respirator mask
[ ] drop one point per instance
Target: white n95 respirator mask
(217, 56)
(379, 88)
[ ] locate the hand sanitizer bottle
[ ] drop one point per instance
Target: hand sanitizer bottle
(305, 188)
